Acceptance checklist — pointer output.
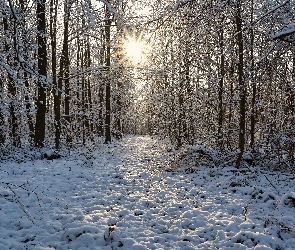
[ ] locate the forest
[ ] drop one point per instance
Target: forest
(215, 73)
(146, 125)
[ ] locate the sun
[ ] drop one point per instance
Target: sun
(134, 50)
(135, 47)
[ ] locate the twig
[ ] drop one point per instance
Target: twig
(246, 164)
(21, 204)
(31, 218)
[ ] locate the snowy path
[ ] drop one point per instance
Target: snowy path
(113, 197)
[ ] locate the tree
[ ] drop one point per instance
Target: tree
(108, 23)
(241, 82)
(66, 68)
(42, 71)
(254, 87)
(10, 26)
(2, 131)
(221, 82)
(57, 86)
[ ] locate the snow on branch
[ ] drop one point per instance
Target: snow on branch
(287, 35)
(112, 10)
(270, 11)
(179, 4)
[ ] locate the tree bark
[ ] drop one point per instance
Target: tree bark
(27, 85)
(108, 23)
(101, 87)
(56, 87)
(2, 133)
(42, 71)
(241, 83)
(220, 87)
(12, 91)
(88, 61)
(254, 89)
(28, 108)
(84, 125)
(66, 65)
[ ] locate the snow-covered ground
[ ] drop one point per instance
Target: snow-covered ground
(116, 197)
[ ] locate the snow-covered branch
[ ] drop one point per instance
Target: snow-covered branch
(179, 4)
(287, 34)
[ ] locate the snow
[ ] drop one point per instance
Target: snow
(116, 197)
(289, 31)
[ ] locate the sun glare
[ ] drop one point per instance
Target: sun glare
(134, 50)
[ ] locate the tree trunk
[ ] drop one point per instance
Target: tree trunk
(66, 65)
(2, 133)
(56, 87)
(254, 90)
(220, 87)
(292, 93)
(108, 23)
(12, 92)
(118, 129)
(101, 87)
(84, 125)
(89, 87)
(28, 108)
(42, 71)
(241, 83)
(100, 112)
(27, 85)
(187, 117)
(57, 99)
(79, 66)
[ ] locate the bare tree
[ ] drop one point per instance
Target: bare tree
(42, 71)
(56, 84)
(108, 23)
(9, 25)
(241, 82)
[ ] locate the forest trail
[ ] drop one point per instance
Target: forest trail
(118, 196)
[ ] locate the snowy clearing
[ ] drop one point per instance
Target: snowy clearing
(115, 197)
